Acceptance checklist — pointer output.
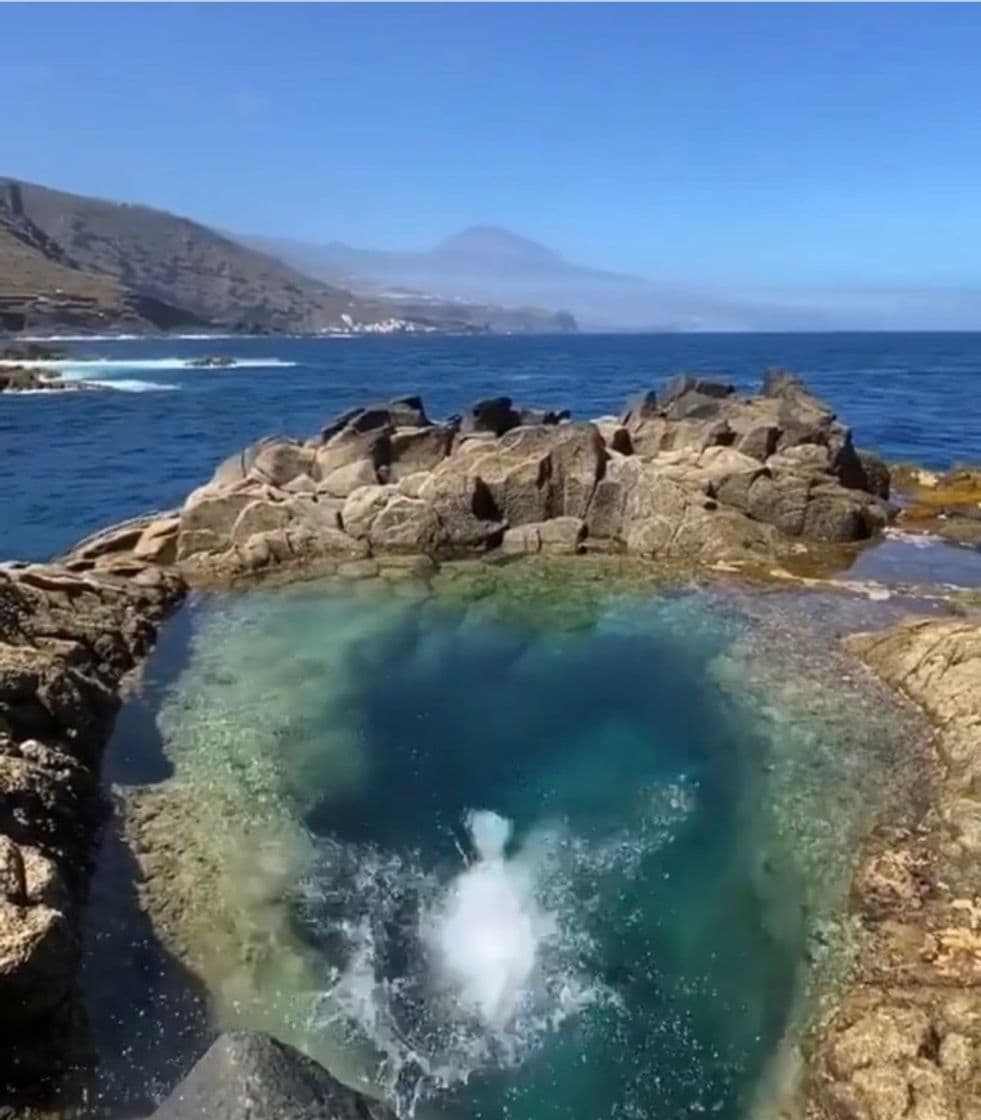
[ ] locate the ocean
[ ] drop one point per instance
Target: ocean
(153, 427)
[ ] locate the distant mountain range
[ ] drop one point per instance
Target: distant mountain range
(67, 261)
(483, 263)
(77, 263)
(488, 264)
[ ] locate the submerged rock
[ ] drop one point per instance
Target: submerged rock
(247, 1075)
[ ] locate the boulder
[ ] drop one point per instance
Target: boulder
(639, 408)
(260, 516)
(519, 483)
(236, 467)
(337, 424)
(876, 474)
(208, 516)
(563, 535)
(361, 508)
(250, 1076)
(614, 435)
(495, 415)
(607, 508)
(468, 515)
(158, 541)
(694, 406)
(342, 481)
(352, 446)
(279, 462)
(524, 540)
(576, 460)
(686, 384)
(402, 412)
(418, 449)
(666, 519)
(404, 525)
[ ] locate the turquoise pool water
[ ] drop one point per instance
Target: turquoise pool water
(527, 846)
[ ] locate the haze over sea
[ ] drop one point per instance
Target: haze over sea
(74, 462)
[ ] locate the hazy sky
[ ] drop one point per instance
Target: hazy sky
(818, 145)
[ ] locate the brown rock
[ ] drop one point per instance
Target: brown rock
(281, 461)
(418, 449)
(158, 541)
(404, 525)
(343, 481)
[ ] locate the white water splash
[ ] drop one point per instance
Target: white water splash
(485, 935)
(439, 979)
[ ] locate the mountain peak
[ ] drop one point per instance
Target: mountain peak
(494, 241)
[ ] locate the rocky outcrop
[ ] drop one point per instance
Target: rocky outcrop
(946, 505)
(700, 474)
(24, 379)
(904, 1041)
(68, 639)
(250, 1076)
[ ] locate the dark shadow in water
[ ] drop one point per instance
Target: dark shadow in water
(147, 1014)
(134, 754)
(486, 714)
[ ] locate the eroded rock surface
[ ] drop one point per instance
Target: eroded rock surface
(904, 1042)
(699, 475)
(67, 641)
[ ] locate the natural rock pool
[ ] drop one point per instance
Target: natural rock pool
(531, 842)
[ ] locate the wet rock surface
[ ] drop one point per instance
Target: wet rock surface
(904, 1040)
(68, 639)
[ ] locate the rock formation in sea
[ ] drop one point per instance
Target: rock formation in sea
(697, 475)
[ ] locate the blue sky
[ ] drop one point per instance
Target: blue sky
(819, 145)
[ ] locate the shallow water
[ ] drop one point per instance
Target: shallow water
(675, 799)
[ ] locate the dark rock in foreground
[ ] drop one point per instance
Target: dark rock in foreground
(250, 1076)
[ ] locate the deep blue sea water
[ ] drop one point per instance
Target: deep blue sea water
(71, 463)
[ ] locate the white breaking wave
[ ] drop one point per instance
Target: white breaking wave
(442, 978)
(131, 385)
(119, 385)
(917, 540)
(81, 368)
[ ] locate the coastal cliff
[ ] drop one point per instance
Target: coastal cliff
(72, 262)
